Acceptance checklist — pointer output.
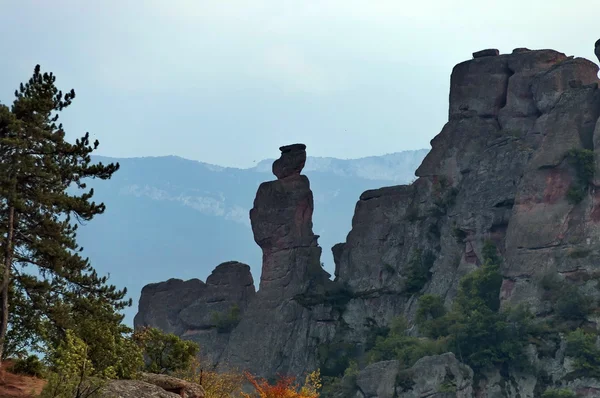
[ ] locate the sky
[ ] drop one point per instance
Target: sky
(229, 81)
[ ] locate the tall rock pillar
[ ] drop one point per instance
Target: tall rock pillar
(276, 334)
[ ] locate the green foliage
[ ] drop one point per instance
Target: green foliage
(418, 271)
(72, 373)
(400, 346)
(583, 162)
(558, 393)
(31, 366)
(430, 316)
(334, 358)
(46, 283)
(448, 385)
(582, 347)
(164, 353)
(225, 323)
(568, 302)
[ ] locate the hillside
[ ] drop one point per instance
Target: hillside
(169, 217)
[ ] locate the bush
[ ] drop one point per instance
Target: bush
(582, 347)
(225, 323)
(72, 373)
(583, 162)
(406, 349)
(285, 387)
(216, 385)
(568, 302)
(430, 315)
(30, 366)
(418, 271)
(164, 353)
(558, 393)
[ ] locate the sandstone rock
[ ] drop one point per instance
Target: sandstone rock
(189, 309)
(161, 303)
(379, 379)
(134, 389)
(437, 375)
(433, 376)
(275, 333)
(291, 162)
(171, 384)
(497, 171)
(491, 52)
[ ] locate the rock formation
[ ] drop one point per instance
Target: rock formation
(152, 386)
(597, 49)
(504, 168)
(202, 312)
(275, 333)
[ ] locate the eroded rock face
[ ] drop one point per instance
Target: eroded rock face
(199, 311)
(277, 334)
(441, 376)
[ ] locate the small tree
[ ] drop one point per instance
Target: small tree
(72, 373)
(164, 353)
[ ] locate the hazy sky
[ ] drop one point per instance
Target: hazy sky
(228, 81)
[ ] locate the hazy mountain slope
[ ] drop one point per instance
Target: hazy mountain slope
(398, 167)
(169, 217)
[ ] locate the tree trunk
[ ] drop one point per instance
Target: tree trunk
(8, 256)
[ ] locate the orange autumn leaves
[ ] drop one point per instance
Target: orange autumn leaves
(285, 387)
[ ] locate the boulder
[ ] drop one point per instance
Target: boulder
(291, 162)
(171, 384)
(490, 52)
(134, 389)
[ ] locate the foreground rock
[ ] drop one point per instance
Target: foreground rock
(152, 386)
(435, 376)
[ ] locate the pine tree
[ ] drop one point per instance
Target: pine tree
(42, 270)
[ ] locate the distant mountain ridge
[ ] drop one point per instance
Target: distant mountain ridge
(170, 217)
(396, 167)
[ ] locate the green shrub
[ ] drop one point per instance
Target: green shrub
(558, 393)
(582, 347)
(568, 302)
(418, 271)
(406, 349)
(164, 353)
(430, 315)
(72, 374)
(30, 366)
(225, 323)
(583, 162)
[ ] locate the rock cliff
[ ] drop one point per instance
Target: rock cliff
(513, 165)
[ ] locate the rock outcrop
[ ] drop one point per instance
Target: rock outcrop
(434, 376)
(152, 386)
(276, 333)
(505, 168)
(202, 312)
